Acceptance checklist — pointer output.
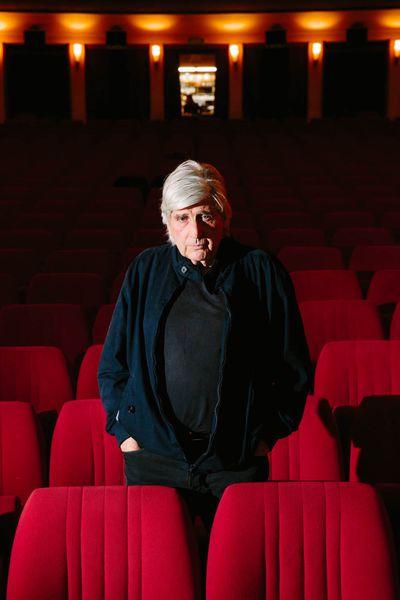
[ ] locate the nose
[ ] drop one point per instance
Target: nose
(196, 228)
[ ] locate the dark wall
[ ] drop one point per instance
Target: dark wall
(275, 81)
(355, 79)
(37, 81)
(117, 82)
(171, 77)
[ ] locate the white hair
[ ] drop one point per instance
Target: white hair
(193, 182)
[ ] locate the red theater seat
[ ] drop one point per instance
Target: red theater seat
(274, 220)
(37, 375)
(326, 285)
(351, 370)
(116, 286)
(80, 261)
(40, 240)
(333, 220)
(103, 239)
(395, 324)
(82, 453)
(102, 323)
(356, 236)
(8, 289)
(87, 386)
(19, 262)
(298, 258)
(374, 258)
(385, 287)
(104, 542)
(85, 289)
(301, 540)
(333, 320)
(291, 236)
(21, 470)
(347, 373)
(60, 325)
(312, 452)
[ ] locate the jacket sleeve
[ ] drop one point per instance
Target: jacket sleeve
(113, 372)
(290, 365)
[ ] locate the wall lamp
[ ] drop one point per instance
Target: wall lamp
(396, 50)
(316, 51)
(156, 53)
(234, 52)
(77, 51)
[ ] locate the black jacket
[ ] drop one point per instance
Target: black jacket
(265, 371)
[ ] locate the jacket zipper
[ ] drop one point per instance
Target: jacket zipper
(154, 354)
(221, 374)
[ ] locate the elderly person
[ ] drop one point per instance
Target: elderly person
(205, 363)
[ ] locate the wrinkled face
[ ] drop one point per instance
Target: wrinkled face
(197, 232)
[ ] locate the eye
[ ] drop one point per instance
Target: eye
(208, 217)
(181, 218)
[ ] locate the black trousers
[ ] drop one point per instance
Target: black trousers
(201, 491)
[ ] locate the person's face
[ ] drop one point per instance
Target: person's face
(197, 232)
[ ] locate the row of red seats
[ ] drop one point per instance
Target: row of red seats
(362, 376)
(299, 540)
(24, 263)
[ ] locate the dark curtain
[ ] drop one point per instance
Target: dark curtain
(37, 81)
(275, 81)
(171, 78)
(117, 82)
(355, 79)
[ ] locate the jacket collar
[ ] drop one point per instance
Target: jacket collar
(228, 252)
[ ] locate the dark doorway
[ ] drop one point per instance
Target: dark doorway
(117, 82)
(275, 81)
(355, 79)
(171, 77)
(37, 81)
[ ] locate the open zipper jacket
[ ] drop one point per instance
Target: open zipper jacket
(265, 365)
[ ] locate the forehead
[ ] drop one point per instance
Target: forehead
(196, 208)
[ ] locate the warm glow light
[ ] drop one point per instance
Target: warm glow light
(78, 22)
(154, 22)
(77, 51)
(156, 52)
(234, 52)
(396, 48)
(316, 50)
(239, 23)
(318, 21)
(197, 69)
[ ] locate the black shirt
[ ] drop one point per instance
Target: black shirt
(192, 354)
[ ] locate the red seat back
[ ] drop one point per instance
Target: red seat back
(326, 285)
(333, 320)
(297, 258)
(310, 453)
(37, 375)
(300, 540)
(85, 289)
(82, 453)
(60, 325)
(104, 542)
(87, 386)
(102, 323)
(22, 468)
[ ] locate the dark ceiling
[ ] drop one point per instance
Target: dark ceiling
(188, 6)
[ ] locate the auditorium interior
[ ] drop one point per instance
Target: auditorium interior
(297, 104)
